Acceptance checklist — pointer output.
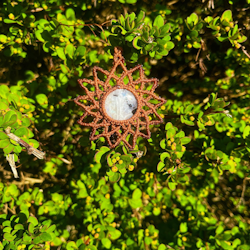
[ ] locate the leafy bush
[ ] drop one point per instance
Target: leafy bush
(184, 188)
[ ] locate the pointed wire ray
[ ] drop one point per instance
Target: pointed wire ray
(93, 83)
(87, 109)
(152, 96)
(137, 131)
(81, 81)
(105, 126)
(144, 82)
(113, 131)
(147, 123)
(90, 124)
(95, 123)
(134, 134)
(105, 72)
(97, 81)
(112, 73)
(129, 74)
(90, 96)
(141, 124)
(152, 109)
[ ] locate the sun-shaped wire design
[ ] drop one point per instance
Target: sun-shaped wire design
(97, 90)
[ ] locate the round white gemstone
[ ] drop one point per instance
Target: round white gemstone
(120, 104)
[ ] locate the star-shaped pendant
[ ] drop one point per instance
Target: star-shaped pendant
(121, 107)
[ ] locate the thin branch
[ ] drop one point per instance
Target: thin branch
(11, 160)
(29, 148)
(7, 208)
(27, 181)
(245, 51)
(243, 191)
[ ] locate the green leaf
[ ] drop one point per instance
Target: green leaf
(122, 20)
(22, 131)
(4, 91)
(219, 229)
(83, 191)
(162, 247)
(6, 20)
(9, 237)
(194, 18)
(18, 227)
(236, 242)
(91, 247)
(135, 42)
(135, 203)
(140, 16)
(137, 194)
(80, 51)
(115, 177)
(42, 99)
(246, 132)
(9, 149)
(51, 229)
(100, 153)
(3, 135)
(70, 50)
(3, 106)
(114, 234)
(70, 14)
(131, 1)
(37, 240)
(208, 19)
(172, 185)
(165, 29)
(123, 31)
(39, 36)
(27, 238)
(31, 228)
(168, 126)
(183, 227)
(106, 243)
(188, 108)
(71, 245)
(185, 140)
(171, 133)
(25, 121)
(160, 166)
(9, 117)
(60, 53)
(64, 69)
(33, 220)
(46, 237)
(13, 98)
(164, 155)
(242, 39)
(189, 123)
(4, 143)
(210, 154)
(163, 144)
(196, 45)
(130, 37)
(158, 22)
(227, 16)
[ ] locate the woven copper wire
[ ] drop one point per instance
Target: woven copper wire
(115, 131)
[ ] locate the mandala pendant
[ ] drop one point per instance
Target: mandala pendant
(121, 106)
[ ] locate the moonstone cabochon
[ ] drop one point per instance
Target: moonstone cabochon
(120, 104)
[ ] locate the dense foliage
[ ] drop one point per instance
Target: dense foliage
(187, 187)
